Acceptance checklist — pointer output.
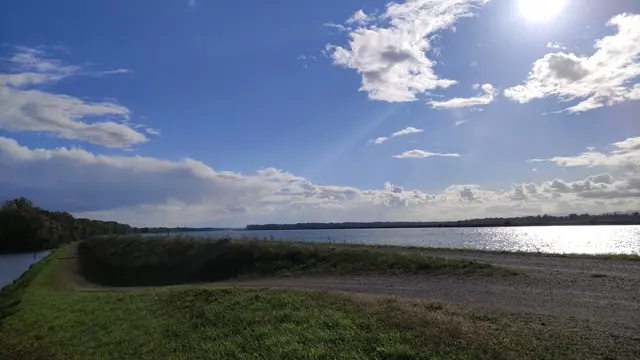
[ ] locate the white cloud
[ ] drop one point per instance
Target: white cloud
(390, 53)
(418, 154)
(147, 191)
(624, 154)
(388, 186)
(379, 140)
(407, 131)
(555, 45)
(116, 71)
(602, 79)
(28, 109)
(339, 27)
(481, 99)
(360, 18)
(152, 131)
(458, 123)
(26, 59)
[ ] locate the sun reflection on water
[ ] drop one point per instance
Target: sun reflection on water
(565, 239)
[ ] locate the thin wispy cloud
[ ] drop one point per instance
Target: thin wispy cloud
(116, 71)
(419, 154)
(455, 103)
(403, 132)
(339, 27)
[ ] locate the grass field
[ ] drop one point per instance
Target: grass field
(138, 261)
(40, 320)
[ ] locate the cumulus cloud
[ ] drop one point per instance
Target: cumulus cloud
(455, 103)
(624, 154)
(147, 191)
(26, 108)
(388, 186)
(601, 186)
(390, 51)
(82, 182)
(418, 154)
(603, 79)
(407, 131)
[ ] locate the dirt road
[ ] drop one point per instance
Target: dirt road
(602, 293)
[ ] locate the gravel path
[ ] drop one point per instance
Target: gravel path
(604, 293)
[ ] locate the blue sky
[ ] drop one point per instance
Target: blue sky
(208, 113)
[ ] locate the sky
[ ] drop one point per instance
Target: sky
(209, 113)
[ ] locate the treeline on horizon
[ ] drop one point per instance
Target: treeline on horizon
(25, 227)
(540, 220)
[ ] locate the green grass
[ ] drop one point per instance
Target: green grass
(138, 261)
(42, 321)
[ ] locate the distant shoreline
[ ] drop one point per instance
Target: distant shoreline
(420, 226)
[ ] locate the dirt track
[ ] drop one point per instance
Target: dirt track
(603, 293)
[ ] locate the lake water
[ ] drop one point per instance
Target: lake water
(600, 239)
(13, 265)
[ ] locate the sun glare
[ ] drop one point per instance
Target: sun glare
(540, 10)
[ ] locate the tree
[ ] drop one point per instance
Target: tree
(21, 203)
(26, 227)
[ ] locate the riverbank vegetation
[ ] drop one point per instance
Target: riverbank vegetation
(39, 319)
(154, 260)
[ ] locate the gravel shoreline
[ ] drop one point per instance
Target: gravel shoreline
(598, 292)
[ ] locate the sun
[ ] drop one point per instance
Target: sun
(540, 10)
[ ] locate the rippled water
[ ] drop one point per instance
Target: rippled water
(13, 265)
(550, 239)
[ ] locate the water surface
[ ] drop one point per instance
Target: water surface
(623, 239)
(13, 265)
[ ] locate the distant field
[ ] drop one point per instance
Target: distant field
(41, 320)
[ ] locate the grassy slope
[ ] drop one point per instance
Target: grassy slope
(41, 321)
(137, 261)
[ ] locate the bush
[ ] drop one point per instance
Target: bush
(145, 260)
